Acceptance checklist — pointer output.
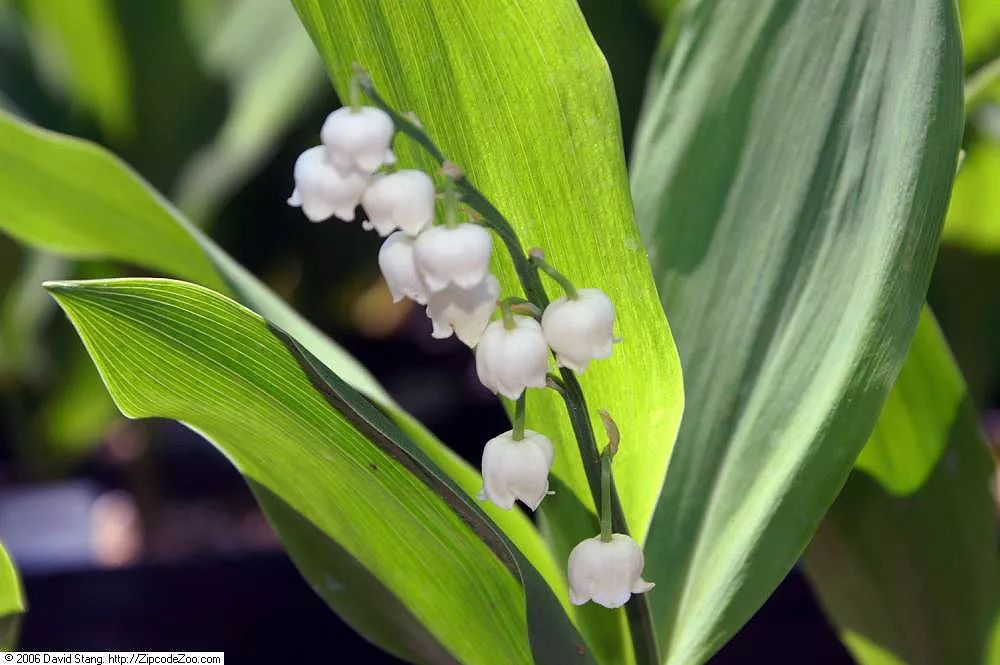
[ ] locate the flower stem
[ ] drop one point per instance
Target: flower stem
(506, 314)
(637, 609)
(355, 95)
(519, 404)
(537, 258)
(450, 202)
(606, 495)
(472, 198)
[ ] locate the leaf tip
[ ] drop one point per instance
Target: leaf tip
(58, 286)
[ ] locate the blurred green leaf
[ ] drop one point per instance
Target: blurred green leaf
(75, 417)
(23, 309)
(69, 218)
(916, 580)
(80, 46)
(520, 97)
(74, 198)
(912, 430)
(980, 29)
(974, 212)
(12, 603)
(274, 74)
(790, 177)
(330, 467)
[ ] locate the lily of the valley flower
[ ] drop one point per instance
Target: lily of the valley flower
(358, 139)
(580, 329)
(401, 200)
(466, 312)
(457, 255)
(322, 191)
(510, 360)
(516, 470)
(606, 572)
(395, 259)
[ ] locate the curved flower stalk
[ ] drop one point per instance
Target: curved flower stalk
(446, 267)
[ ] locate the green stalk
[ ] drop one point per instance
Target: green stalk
(637, 609)
(538, 259)
(506, 314)
(519, 409)
(450, 202)
(606, 495)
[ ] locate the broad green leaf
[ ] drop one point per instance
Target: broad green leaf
(72, 197)
(790, 176)
(80, 45)
(916, 580)
(912, 431)
(261, 50)
(519, 95)
(345, 486)
(12, 604)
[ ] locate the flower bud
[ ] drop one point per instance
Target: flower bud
(508, 361)
(516, 469)
(401, 200)
(358, 140)
(459, 255)
(464, 311)
(606, 572)
(395, 259)
(580, 330)
(322, 191)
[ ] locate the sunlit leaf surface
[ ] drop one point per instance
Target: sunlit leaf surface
(791, 174)
(380, 532)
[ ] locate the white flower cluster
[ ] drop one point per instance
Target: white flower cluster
(446, 268)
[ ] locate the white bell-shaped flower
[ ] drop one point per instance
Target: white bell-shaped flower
(508, 361)
(607, 573)
(516, 469)
(358, 140)
(466, 312)
(322, 191)
(580, 330)
(395, 259)
(401, 200)
(454, 255)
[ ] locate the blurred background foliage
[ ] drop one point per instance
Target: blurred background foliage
(211, 101)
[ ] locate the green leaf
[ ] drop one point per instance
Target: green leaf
(12, 604)
(344, 485)
(23, 311)
(72, 197)
(980, 28)
(912, 431)
(790, 177)
(974, 212)
(520, 96)
(80, 45)
(916, 580)
(274, 74)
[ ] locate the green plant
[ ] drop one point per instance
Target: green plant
(790, 176)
